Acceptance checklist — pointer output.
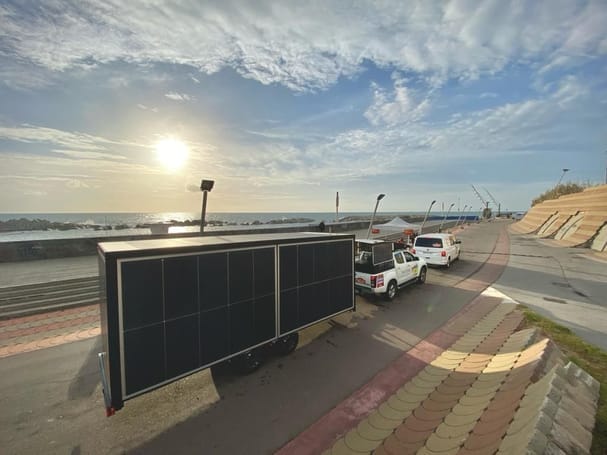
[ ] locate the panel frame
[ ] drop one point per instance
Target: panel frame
(112, 257)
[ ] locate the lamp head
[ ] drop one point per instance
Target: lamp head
(207, 185)
(380, 197)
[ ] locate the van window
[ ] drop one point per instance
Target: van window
(429, 242)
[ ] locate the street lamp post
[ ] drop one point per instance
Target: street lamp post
(205, 187)
(562, 175)
(445, 217)
(379, 198)
(460, 214)
(421, 229)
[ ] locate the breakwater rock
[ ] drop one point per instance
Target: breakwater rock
(25, 224)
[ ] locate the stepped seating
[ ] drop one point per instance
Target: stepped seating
(599, 243)
(534, 219)
(555, 222)
(572, 220)
(482, 395)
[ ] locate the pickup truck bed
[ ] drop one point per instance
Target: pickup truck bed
(387, 276)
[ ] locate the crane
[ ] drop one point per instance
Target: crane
(497, 204)
(486, 209)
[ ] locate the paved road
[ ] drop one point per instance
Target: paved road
(50, 399)
(564, 284)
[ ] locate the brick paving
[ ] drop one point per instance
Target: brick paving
(44, 330)
(476, 386)
(354, 409)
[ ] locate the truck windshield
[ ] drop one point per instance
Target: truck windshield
(429, 242)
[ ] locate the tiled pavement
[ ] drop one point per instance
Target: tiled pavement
(495, 390)
(45, 330)
(476, 386)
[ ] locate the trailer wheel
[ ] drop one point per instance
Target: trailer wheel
(391, 291)
(287, 344)
(247, 362)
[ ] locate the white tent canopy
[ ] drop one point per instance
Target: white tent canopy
(397, 225)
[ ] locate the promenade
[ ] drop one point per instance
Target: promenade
(52, 399)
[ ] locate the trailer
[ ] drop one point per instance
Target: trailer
(171, 307)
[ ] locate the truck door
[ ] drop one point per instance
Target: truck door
(403, 270)
(413, 264)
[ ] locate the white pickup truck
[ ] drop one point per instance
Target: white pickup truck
(382, 270)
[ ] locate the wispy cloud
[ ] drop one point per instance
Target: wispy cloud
(146, 108)
(178, 96)
(71, 140)
(89, 155)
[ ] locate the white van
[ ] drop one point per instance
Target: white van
(437, 249)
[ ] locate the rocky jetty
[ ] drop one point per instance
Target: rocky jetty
(25, 224)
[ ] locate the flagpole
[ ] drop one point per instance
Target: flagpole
(337, 207)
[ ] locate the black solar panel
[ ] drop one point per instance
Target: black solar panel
(171, 314)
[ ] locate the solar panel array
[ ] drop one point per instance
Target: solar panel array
(183, 313)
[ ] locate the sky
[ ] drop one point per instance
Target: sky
(125, 106)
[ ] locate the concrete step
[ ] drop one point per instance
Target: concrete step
(50, 294)
(43, 308)
(50, 285)
(18, 301)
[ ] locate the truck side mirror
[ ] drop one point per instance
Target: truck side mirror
(458, 241)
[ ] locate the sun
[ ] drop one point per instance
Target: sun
(172, 153)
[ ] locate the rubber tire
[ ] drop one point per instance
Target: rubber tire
(287, 344)
(421, 279)
(391, 291)
(448, 264)
(248, 362)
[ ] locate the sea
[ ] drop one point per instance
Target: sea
(125, 224)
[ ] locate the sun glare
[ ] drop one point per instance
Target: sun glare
(172, 153)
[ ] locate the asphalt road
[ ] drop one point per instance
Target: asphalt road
(51, 402)
(564, 284)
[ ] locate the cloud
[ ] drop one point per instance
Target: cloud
(178, 96)
(76, 184)
(401, 106)
(89, 155)
(532, 127)
(70, 181)
(303, 46)
(72, 140)
(145, 108)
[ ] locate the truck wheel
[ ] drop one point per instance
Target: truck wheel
(247, 362)
(287, 344)
(391, 291)
(448, 264)
(421, 279)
